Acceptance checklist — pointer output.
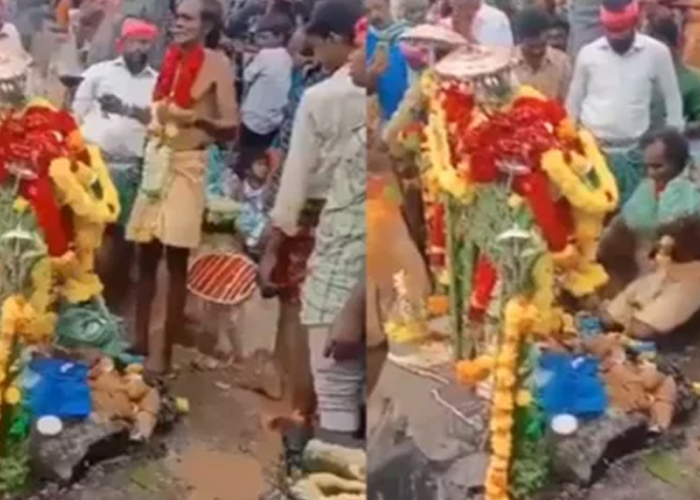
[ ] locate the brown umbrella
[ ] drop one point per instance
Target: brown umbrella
(474, 63)
(433, 35)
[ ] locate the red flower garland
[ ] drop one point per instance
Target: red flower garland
(459, 109)
(39, 193)
(178, 74)
(33, 139)
(551, 216)
(437, 236)
(483, 283)
(519, 135)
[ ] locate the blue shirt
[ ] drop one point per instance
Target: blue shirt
(393, 83)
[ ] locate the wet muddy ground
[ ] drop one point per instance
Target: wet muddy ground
(675, 475)
(220, 451)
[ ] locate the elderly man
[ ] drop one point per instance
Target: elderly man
(112, 104)
(612, 87)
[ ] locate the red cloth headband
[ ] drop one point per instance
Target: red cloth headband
(136, 29)
(620, 21)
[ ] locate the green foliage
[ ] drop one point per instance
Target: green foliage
(530, 469)
(14, 449)
(531, 465)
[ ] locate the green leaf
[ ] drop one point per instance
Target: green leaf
(665, 467)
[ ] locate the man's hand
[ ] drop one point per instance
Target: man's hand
(268, 288)
(268, 262)
(111, 104)
(141, 115)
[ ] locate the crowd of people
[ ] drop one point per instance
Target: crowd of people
(264, 88)
(165, 89)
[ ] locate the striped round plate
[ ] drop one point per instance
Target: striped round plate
(222, 278)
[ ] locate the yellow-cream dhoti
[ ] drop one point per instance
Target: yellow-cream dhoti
(174, 217)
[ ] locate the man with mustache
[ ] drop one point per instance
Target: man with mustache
(113, 105)
(612, 87)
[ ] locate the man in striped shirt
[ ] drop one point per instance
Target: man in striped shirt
(333, 296)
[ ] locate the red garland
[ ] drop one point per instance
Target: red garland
(483, 283)
(437, 236)
(33, 139)
(551, 216)
(459, 109)
(520, 136)
(39, 193)
(178, 74)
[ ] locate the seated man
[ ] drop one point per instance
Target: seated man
(661, 218)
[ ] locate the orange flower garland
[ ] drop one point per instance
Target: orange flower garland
(520, 317)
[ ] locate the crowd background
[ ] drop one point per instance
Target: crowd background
(276, 106)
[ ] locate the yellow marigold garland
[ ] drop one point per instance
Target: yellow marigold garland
(599, 200)
(519, 319)
(91, 213)
(74, 188)
(16, 314)
(442, 173)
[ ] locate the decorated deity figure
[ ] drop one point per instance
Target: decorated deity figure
(523, 195)
(55, 199)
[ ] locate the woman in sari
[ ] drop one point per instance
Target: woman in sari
(664, 211)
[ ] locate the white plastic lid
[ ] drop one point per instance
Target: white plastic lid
(49, 426)
(564, 425)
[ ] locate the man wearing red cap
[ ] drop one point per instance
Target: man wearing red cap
(113, 106)
(611, 92)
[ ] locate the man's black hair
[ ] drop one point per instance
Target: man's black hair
(335, 17)
(275, 23)
(561, 23)
(616, 5)
(213, 15)
(666, 29)
(676, 147)
(531, 23)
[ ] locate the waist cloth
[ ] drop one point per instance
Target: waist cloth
(175, 216)
(626, 162)
(125, 173)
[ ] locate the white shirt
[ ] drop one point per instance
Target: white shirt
(10, 40)
(490, 27)
(267, 80)
(116, 135)
(324, 125)
(611, 94)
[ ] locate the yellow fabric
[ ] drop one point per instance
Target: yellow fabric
(176, 218)
(664, 300)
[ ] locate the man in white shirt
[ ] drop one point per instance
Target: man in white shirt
(113, 106)
(324, 137)
(480, 23)
(267, 80)
(10, 39)
(612, 87)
